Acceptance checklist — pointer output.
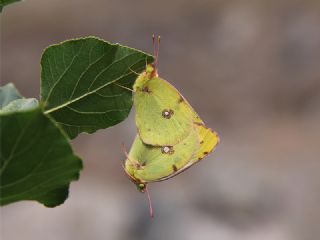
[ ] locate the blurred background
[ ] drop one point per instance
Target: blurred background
(251, 68)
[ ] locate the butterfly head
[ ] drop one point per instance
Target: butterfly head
(143, 78)
(151, 71)
(141, 187)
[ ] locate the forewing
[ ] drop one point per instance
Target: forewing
(163, 117)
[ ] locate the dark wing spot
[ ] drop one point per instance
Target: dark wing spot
(167, 150)
(143, 164)
(202, 142)
(180, 99)
(205, 153)
(199, 124)
(149, 130)
(138, 166)
(174, 167)
(146, 89)
(199, 158)
(167, 113)
(171, 151)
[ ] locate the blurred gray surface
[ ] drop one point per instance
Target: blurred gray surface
(251, 70)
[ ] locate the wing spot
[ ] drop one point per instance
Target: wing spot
(167, 113)
(180, 99)
(146, 89)
(174, 167)
(202, 142)
(205, 153)
(167, 150)
(138, 166)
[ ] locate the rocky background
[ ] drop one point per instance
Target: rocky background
(251, 68)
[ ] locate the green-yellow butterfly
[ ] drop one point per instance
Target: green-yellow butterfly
(171, 136)
(147, 163)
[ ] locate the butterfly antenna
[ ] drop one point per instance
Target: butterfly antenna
(150, 203)
(146, 61)
(125, 150)
(154, 48)
(158, 47)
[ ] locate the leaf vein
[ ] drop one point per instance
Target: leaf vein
(109, 66)
(107, 111)
(64, 72)
(86, 69)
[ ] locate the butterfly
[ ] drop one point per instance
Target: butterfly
(146, 163)
(171, 136)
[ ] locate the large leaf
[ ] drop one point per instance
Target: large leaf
(36, 160)
(84, 81)
(6, 2)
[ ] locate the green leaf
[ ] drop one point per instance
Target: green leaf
(6, 2)
(49, 198)
(84, 81)
(8, 93)
(36, 160)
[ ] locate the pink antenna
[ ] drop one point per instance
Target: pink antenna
(150, 204)
(124, 150)
(155, 49)
(154, 45)
(157, 56)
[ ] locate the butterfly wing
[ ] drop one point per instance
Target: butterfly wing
(208, 142)
(163, 117)
(159, 162)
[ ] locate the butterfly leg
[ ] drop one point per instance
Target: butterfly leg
(133, 162)
(129, 89)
